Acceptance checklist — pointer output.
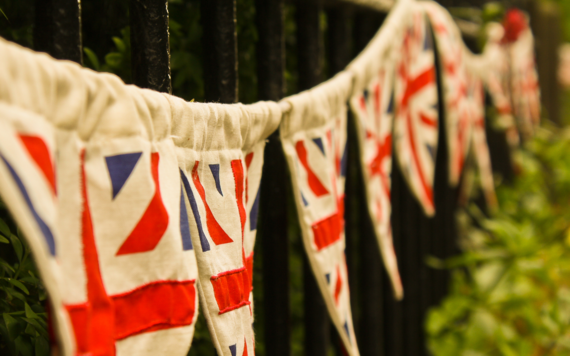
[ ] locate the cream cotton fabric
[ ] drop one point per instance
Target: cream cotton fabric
(313, 135)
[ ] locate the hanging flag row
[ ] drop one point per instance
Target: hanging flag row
(139, 206)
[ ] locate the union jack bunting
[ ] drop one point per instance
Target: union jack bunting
(455, 88)
(220, 152)
(374, 113)
(416, 117)
(313, 134)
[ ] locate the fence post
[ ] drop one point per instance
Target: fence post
(547, 30)
(219, 42)
(307, 19)
(274, 239)
(150, 45)
(57, 29)
(338, 46)
(371, 269)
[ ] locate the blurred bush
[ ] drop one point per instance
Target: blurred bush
(510, 291)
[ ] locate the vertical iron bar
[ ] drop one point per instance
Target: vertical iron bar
(394, 313)
(546, 26)
(150, 44)
(371, 290)
(307, 20)
(57, 29)
(338, 55)
(270, 53)
(219, 41)
(338, 38)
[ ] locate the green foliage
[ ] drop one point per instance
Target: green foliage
(117, 61)
(23, 326)
(510, 291)
(15, 21)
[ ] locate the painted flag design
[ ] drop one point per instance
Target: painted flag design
(314, 140)
(416, 117)
(457, 112)
(220, 168)
(374, 114)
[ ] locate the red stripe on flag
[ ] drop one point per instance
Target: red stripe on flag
(338, 286)
(93, 322)
(428, 121)
(248, 160)
(154, 306)
(217, 234)
(39, 152)
(237, 169)
(249, 268)
(314, 183)
(231, 289)
(152, 225)
(327, 231)
(418, 83)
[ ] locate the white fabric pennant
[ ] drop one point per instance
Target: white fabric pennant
(457, 111)
(373, 105)
(220, 153)
(313, 134)
(416, 117)
(373, 109)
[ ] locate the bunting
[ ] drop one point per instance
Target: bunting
(373, 109)
(313, 134)
(416, 118)
(456, 94)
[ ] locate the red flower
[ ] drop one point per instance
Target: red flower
(515, 23)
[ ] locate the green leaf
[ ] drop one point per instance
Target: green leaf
(2, 12)
(120, 44)
(7, 338)
(14, 328)
(39, 328)
(18, 248)
(29, 312)
(24, 346)
(114, 60)
(6, 266)
(18, 284)
(41, 346)
(92, 57)
(4, 240)
(15, 294)
(4, 229)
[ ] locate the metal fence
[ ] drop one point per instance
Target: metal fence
(383, 326)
